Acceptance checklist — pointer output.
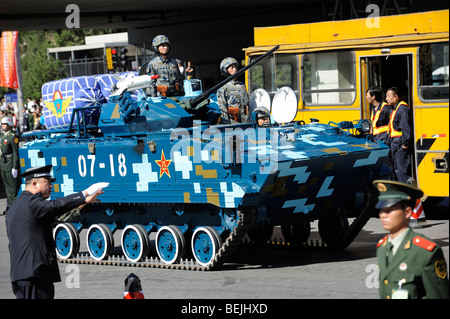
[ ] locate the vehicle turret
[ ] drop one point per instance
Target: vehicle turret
(125, 115)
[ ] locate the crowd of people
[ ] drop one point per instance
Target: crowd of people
(13, 125)
(29, 117)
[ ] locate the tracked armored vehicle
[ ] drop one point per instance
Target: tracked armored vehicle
(182, 185)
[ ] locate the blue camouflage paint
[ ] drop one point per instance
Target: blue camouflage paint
(171, 165)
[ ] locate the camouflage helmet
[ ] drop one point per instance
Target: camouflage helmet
(8, 120)
(225, 64)
(158, 40)
(259, 112)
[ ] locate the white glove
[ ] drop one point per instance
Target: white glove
(14, 172)
(95, 187)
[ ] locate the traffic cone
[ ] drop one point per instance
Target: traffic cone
(133, 289)
(417, 219)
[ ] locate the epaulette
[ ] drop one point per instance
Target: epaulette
(423, 243)
(381, 241)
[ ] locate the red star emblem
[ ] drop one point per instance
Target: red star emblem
(164, 165)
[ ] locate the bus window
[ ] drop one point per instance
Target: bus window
(287, 72)
(329, 78)
(260, 76)
(433, 72)
(272, 74)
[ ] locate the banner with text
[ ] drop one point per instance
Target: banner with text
(8, 52)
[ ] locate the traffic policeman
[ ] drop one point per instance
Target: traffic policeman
(400, 137)
(381, 112)
(380, 116)
(9, 160)
(232, 98)
(170, 81)
(411, 266)
(34, 267)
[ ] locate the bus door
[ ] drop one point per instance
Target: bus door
(386, 71)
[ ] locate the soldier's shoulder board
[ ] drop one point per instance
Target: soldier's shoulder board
(381, 241)
(424, 243)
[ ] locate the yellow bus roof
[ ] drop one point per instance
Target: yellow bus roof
(396, 27)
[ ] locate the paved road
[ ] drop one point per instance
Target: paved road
(256, 273)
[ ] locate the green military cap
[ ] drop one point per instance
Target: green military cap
(39, 172)
(393, 192)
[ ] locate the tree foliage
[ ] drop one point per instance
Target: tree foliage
(37, 67)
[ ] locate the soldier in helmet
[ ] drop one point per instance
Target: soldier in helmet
(170, 82)
(9, 160)
(261, 116)
(232, 98)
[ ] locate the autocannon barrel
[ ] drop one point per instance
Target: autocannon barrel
(197, 100)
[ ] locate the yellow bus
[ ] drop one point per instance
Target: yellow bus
(330, 66)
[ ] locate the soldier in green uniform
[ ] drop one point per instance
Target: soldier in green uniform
(9, 160)
(411, 266)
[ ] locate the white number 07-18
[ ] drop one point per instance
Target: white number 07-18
(82, 167)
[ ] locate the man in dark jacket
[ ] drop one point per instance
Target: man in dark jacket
(34, 267)
(400, 136)
(380, 114)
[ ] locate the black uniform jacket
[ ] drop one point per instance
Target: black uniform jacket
(402, 122)
(29, 228)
